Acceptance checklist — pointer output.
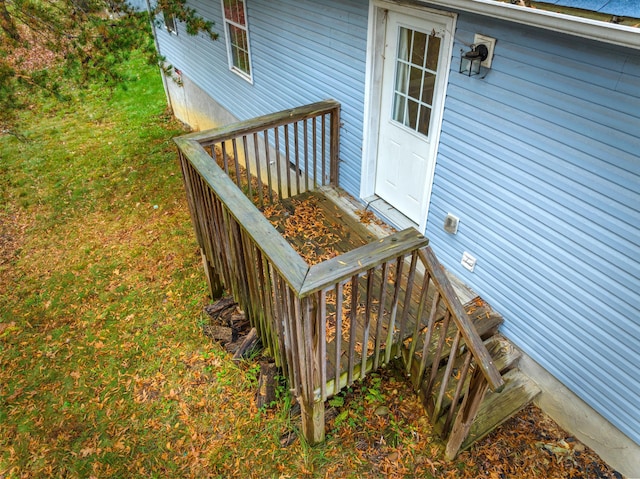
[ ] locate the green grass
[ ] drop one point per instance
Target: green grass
(103, 369)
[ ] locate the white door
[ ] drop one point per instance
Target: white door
(414, 69)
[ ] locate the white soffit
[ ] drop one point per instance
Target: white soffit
(558, 22)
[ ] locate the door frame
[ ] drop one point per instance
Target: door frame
(373, 95)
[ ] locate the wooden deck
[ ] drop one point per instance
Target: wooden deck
(317, 227)
(330, 297)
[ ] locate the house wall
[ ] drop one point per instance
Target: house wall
(539, 159)
(302, 52)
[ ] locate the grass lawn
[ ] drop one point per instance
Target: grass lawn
(104, 370)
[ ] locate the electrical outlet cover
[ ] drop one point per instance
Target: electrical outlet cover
(490, 43)
(451, 224)
(468, 261)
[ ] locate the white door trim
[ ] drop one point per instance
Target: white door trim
(373, 85)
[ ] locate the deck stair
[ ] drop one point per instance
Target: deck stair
(496, 407)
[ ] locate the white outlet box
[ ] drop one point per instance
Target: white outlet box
(468, 261)
(451, 224)
(488, 42)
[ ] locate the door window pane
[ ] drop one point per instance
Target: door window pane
(416, 66)
(399, 107)
(419, 47)
(433, 53)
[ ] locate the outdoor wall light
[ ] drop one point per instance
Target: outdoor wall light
(470, 61)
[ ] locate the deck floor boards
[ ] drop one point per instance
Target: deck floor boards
(321, 213)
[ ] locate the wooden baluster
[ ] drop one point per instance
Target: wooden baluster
(435, 364)
(296, 146)
(295, 323)
(322, 343)
(418, 322)
(338, 338)
(428, 336)
(276, 134)
(258, 169)
(305, 133)
(447, 375)
(353, 320)
(225, 158)
(247, 167)
(308, 309)
(314, 145)
(288, 159)
(381, 300)
(367, 323)
(236, 163)
(271, 314)
(324, 150)
(468, 410)
(265, 134)
(335, 146)
(394, 308)
(456, 396)
(407, 297)
(284, 318)
(312, 410)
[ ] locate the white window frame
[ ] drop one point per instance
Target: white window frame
(227, 24)
(170, 18)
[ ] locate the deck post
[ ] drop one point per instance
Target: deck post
(216, 289)
(334, 147)
(312, 420)
(466, 414)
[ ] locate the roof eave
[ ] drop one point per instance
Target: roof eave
(583, 27)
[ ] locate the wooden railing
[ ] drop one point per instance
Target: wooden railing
(331, 323)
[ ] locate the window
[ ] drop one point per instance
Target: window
(416, 69)
(170, 22)
(235, 20)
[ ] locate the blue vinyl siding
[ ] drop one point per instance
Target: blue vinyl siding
(301, 52)
(548, 195)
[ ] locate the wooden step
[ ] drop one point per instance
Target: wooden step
(485, 320)
(496, 408)
(504, 356)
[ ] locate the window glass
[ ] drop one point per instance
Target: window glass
(416, 66)
(170, 22)
(235, 19)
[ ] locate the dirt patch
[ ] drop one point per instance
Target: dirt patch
(532, 445)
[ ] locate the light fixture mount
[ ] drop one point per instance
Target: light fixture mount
(470, 61)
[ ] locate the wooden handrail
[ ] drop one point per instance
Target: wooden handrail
(359, 260)
(284, 258)
(459, 315)
(261, 123)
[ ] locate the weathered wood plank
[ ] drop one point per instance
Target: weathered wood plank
(334, 136)
(281, 254)
(327, 273)
(249, 345)
(338, 338)
(473, 341)
(498, 407)
(467, 413)
(272, 120)
(353, 321)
